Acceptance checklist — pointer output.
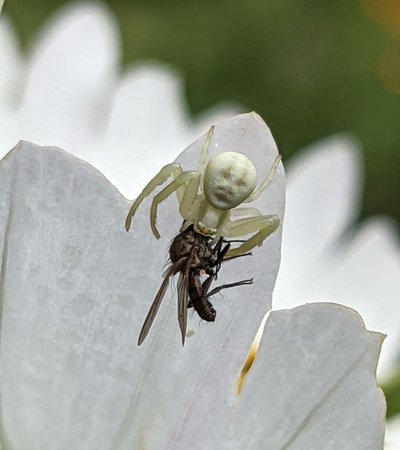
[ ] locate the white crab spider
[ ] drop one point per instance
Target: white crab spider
(209, 198)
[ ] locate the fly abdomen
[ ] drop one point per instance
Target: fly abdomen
(204, 309)
(202, 305)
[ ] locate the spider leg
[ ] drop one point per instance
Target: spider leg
(262, 226)
(204, 153)
(191, 177)
(167, 171)
(229, 258)
(243, 213)
(189, 196)
(221, 254)
(264, 184)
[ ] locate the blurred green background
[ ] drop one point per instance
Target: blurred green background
(311, 68)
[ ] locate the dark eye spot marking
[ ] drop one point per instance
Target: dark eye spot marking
(226, 174)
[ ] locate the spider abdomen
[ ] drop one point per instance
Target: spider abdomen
(229, 178)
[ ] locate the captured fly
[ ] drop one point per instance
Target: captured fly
(192, 255)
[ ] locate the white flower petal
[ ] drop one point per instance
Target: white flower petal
(366, 276)
(72, 70)
(363, 272)
(68, 319)
(76, 288)
(215, 114)
(322, 196)
(312, 385)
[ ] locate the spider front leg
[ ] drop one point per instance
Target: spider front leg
(170, 170)
(265, 183)
(190, 181)
(262, 226)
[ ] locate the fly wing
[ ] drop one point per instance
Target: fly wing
(171, 271)
(153, 310)
(183, 298)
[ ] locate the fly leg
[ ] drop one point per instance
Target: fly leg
(195, 286)
(207, 283)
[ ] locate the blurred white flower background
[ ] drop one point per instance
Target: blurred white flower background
(70, 91)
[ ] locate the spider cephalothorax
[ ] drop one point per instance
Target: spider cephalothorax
(210, 197)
